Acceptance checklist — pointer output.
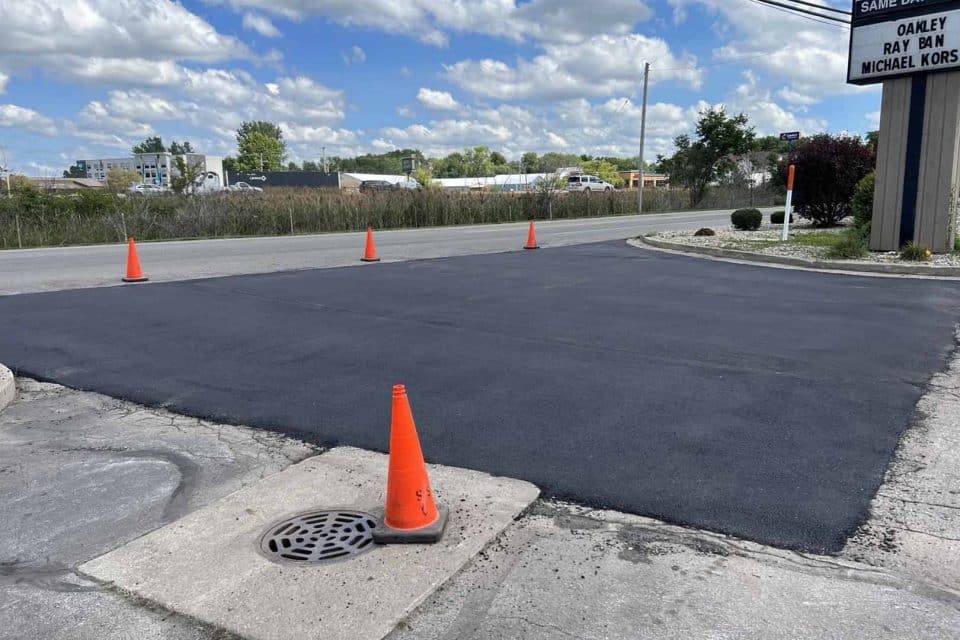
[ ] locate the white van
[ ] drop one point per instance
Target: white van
(586, 184)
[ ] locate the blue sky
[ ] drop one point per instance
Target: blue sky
(89, 78)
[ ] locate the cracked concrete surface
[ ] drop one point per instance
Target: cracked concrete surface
(570, 572)
(81, 474)
(914, 526)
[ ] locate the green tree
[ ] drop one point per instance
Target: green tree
(260, 146)
(530, 162)
(452, 166)
(603, 169)
(292, 166)
(423, 176)
(309, 165)
(477, 162)
(230, 164)
(152, 144)
(698, 163)
(74, 172)
(187, 176)
(178, 149)
(552, 161)
(121, 179)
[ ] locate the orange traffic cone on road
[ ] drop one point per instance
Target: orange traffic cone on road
(531, 238)
(370, 253)
(411, 514)
(134, 273)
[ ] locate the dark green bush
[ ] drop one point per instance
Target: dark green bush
(914, 252)
(777, 217)
(746, 219)
(828, 170)
(861, 205)
(705, 231)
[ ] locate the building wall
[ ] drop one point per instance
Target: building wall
(152, 165)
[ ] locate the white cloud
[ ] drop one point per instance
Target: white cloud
(4, 79)
(260, 24)
(12, 115)
(355, 55)
(810, 57)
(437, 100)
(574, 126)
(768, 117)
(405, 111)
(431, 22)
(157, 29)
(873, 119)
(602, 66)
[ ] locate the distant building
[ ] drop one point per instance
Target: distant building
(154, 168)
(650, 180)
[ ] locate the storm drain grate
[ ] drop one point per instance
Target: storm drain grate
(319, 536)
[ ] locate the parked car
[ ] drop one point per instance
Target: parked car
(368, 186)
(146, 189)
(407, 184)
(587, 184)
(243, 186)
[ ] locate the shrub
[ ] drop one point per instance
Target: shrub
(914, 252)
(777, 217)
(746, 219)
(852, 245)
(862, 203)
(828, 171)
(705, 231)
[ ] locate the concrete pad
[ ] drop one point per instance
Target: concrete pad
(8, 388)
(565, 571)
(207, 564)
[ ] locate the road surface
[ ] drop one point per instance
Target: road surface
(100, 265)
(758, 402)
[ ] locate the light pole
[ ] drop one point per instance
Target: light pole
(323, 158)
(643, 134)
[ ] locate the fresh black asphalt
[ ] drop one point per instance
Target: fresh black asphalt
(758, 402)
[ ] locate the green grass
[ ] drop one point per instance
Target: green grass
(817, 239)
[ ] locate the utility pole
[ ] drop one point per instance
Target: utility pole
(6, 171)
(643, 134)
(323, 158)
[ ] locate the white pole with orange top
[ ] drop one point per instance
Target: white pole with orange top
(788, 211)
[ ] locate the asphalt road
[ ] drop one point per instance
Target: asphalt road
(753, 401)
(99, 265)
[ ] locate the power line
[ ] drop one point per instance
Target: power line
(821, 7)
(803, 13)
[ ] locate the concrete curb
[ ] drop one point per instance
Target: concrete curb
(865, 269)
(8, 387)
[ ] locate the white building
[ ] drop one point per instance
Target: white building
(155, 168)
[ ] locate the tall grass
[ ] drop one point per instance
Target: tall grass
(34, 219)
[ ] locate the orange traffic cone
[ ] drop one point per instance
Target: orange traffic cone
(134, 273)
(370, 254)
(411, 514)
(531, 238)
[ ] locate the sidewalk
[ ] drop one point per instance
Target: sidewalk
(81, 474)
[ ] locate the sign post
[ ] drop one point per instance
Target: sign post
(913, 48)
(788, 209)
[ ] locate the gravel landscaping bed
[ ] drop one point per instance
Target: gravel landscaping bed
(766, 241)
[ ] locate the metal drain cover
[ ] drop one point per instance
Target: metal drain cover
(319, 536)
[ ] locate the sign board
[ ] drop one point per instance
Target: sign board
(408, 165)
(790, 136)
(866, 11)
(286, 178)
(897, 38)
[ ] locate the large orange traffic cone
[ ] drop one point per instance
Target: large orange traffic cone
(134, 273)
(370, 254)
(531, 238)
(411, 514)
